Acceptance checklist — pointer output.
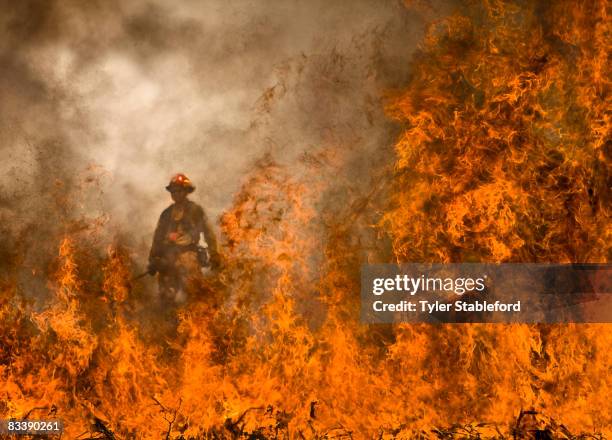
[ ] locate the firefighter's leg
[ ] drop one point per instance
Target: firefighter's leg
(190, 273)
(167, 286)
(167, 320)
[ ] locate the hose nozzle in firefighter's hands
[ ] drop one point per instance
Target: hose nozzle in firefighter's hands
(180, 239)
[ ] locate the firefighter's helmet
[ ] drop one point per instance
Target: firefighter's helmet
(180, 181)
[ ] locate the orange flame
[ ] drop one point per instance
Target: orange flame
(504, 156)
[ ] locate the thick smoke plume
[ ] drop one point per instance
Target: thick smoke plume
(118, 96)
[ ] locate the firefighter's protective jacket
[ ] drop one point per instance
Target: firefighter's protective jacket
(178, 230)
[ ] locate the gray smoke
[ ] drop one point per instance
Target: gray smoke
(133, 92)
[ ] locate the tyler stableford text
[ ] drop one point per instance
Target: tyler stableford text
(405, 284)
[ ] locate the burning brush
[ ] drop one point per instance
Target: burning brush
(504, 157)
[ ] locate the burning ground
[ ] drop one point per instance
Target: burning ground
(490, 142)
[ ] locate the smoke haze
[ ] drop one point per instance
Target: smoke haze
(125, 94)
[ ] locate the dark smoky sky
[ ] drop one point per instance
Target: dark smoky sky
(144, 89)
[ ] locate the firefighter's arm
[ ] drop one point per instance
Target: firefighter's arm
(211, 240)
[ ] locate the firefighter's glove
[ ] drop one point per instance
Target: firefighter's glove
(180, 239)
(184, 240)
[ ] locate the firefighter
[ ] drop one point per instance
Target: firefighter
(176, 254)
